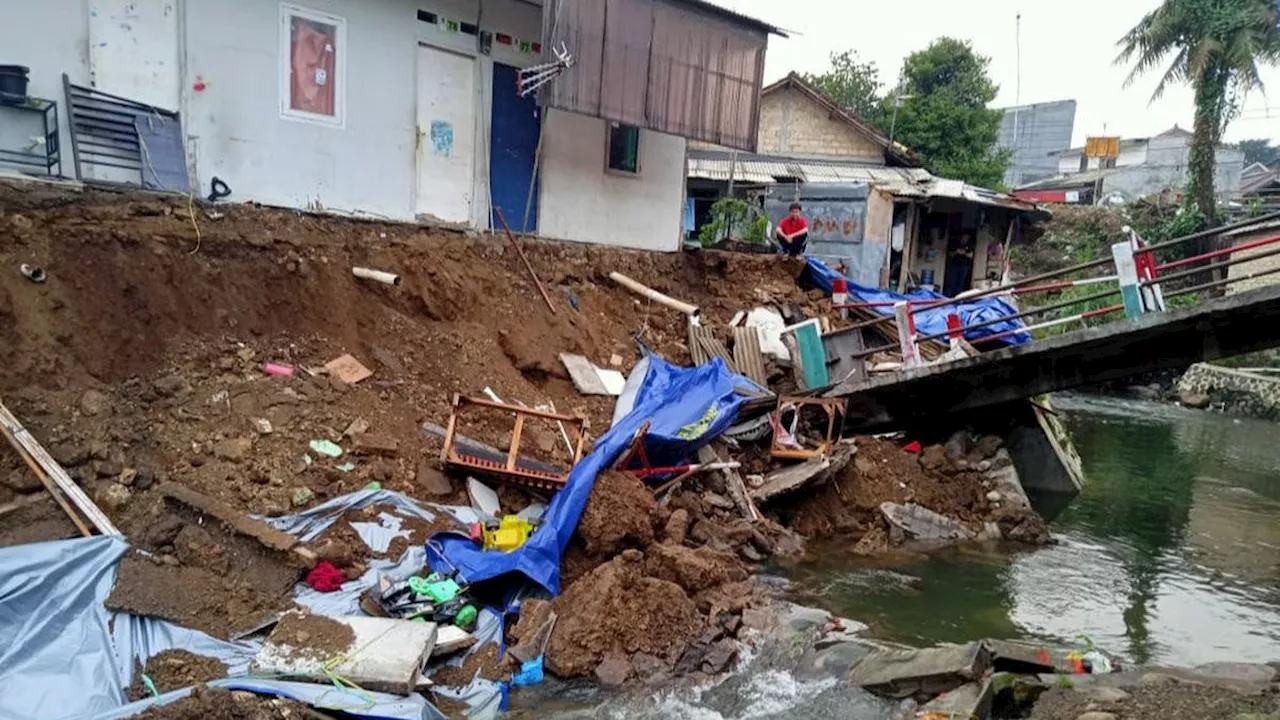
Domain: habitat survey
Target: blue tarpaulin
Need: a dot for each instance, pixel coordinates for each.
(686, 407)
(931, 322)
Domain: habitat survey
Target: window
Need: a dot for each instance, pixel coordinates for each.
(624, 148)
(312, 66)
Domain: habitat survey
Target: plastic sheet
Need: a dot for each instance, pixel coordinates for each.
(930, 322)
(327, 697)
(686, 407)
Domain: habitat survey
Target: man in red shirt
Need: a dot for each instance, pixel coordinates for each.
(792, 232)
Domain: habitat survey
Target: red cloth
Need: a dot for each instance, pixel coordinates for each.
(792, 225)
(913, 447)
(325, 577)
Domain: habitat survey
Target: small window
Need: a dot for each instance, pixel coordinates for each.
(624, 148)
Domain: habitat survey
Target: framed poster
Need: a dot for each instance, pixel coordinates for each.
(313, 62)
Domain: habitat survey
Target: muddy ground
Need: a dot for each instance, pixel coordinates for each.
(206, 703)
(174, 670)
(140, 362)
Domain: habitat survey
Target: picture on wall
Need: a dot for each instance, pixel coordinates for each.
(312, 77)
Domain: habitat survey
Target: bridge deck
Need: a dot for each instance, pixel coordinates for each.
(1221, 327)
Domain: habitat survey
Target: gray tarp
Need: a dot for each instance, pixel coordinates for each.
(64, 655)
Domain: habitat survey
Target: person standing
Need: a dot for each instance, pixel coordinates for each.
(959, 271)
(793, 232)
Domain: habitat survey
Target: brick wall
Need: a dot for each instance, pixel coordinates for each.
(792, 124)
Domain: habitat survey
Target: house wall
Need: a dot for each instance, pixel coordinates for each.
(793, 124)
(582, 201)
(1033, 133)
(1069, 163)
(50, 38)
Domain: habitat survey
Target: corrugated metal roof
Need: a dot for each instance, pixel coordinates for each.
(900, 182)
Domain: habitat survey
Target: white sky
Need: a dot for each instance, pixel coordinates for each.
(1067, 53)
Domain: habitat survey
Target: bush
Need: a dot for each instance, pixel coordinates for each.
(733, 219)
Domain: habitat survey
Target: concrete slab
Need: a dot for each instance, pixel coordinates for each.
(925, 672)
(386, 655)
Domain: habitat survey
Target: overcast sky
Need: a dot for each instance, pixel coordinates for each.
(1067, 53)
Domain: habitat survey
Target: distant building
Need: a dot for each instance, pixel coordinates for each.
(1261, 184)
(1145, 167)
(1035, 133)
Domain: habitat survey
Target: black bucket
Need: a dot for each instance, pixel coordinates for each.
(13, 83)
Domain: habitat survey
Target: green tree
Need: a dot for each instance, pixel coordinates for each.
(1216, 47)
(943, 115)
(852, 84)
(1259, 151)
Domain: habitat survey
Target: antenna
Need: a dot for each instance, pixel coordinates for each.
(1017, 88)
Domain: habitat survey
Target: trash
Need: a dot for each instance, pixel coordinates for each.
(806, 427)
(375, 485)
(770, 325)
(325, 577)
(326, 448)
(278, 369)
(348, 369)
(477, 457)
(347, 467)
(914, 447)
(383, 654)
(263, 425)
(437, 597)
(34, 273)
(592, 380)
(506, 535)
(530, 673)
(483, 498)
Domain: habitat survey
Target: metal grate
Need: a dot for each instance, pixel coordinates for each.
(114, 132)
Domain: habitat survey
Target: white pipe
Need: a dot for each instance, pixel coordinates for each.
(378, 275)
(635, 287)
(34, 273)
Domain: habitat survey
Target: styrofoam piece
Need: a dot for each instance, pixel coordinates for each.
(483, 498)
(386, 655)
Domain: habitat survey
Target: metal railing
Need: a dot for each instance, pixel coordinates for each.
(1148, 278)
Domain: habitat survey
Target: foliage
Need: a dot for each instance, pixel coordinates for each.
(852, 84)
(1216, 46)
(732, 218)
(759, 231)
(944, 116)
(1259, 150)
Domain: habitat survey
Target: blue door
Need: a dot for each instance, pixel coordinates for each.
(514, 144)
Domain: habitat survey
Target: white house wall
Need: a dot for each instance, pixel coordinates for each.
(582, 201)
(133, 50)
(51, 38)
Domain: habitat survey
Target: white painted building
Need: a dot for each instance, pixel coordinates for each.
(403, 109)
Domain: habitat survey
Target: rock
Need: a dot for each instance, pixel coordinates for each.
(387, 360)
(263, 426)
(366, 444)
(1193, 399)
(169, 385)
(758, 619)
(984, 466)
(717, 501)
(677, 528)
(987, 446)
(649, 669)
(957, 446)
(933, 457)
(69, 456)
(614, 669)
(144, 478)
(750, 554)
(127, 477)
(301, 496)
(93, 403)
(864, 465)
(338, 384)
(719, 656)
(22, 481)
(112, 497)
(692, 569)
(1102, 693)
(356, 427)
(1096, 715)
(233, 450)
(993, 496)
(108, 468)
(431, 481)
(163, 532)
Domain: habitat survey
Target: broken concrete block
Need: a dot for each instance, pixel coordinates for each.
(922, 523)
(367, 444)
(922, 673)
(971, 700)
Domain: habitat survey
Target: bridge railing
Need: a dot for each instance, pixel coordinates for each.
(1141, 262)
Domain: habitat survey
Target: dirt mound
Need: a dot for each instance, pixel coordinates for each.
(173, 670)
(312, 636)
(487, 662)
(617, 609)
(620, 513)
(206, 703)
(692, 569)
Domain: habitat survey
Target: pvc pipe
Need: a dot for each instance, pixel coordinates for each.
(635, 287)
(277, 369)
(382, 277)
(34, 273)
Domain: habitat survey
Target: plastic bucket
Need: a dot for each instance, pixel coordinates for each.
(13, 81)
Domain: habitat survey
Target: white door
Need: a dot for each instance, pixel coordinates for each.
(446, 134)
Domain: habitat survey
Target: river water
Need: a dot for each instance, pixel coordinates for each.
(1171, 554)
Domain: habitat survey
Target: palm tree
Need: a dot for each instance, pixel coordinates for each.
(1217, 46)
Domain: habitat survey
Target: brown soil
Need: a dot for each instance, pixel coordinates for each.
(193, 597)
(487, 661)
(172, 670)
(1163, 701)
(620, 513)
(174, 337)
(616, 608)
(206, 703)
(312, 636)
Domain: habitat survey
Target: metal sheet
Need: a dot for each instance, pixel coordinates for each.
(747, 356)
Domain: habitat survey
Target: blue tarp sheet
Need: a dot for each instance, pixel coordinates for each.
(686, 407)
(931, 322)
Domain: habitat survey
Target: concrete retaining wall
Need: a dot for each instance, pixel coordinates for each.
(1233, 391)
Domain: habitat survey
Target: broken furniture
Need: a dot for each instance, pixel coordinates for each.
(806, 427)
(385, 655)
(511, 467)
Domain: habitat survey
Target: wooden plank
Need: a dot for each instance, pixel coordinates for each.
(231, 518)
(747, 355)
(733, 479)
(56, 474)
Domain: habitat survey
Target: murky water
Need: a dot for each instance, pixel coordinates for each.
(1171, 554)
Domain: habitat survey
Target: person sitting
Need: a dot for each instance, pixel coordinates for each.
(793, 232)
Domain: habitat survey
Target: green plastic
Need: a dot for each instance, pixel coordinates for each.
(438, 590)
(466, 617)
